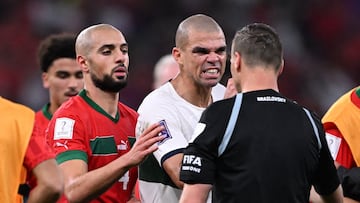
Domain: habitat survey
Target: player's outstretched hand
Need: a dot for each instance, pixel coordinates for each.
(145, 144)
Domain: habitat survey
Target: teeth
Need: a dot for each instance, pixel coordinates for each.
(212, 71)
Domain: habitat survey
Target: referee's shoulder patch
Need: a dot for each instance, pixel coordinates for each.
(64, 128)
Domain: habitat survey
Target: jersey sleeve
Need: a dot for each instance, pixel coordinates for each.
(338, 147)
(200, 157)
(153, 112)
(67, 136)
(38, 150)
(325, 179)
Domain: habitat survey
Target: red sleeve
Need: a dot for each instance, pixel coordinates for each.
(342, 152)
(37, 151)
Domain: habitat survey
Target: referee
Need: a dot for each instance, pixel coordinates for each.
(258, 146)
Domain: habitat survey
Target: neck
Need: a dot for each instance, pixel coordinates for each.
(108, 101)
(192, 93)
(52, 108)
(259, 79)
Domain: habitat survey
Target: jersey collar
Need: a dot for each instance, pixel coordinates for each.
(97, 108)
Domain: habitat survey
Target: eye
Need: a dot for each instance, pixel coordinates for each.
(201, 50)
(124, 50)
(62, 75)
(106, 52)
(79, 75)
(221, 51)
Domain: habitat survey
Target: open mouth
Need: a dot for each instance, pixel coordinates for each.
(212, 71)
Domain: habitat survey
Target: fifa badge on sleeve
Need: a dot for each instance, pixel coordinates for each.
(165, 132)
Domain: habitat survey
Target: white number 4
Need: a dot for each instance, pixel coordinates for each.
(125, 180)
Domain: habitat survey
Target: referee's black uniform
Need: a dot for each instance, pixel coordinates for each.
(261, 148)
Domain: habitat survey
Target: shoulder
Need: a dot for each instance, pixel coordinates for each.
(125, 109)
(162, 96)
(220, 107)
(218, 92)
(75, 105)
(12, 109)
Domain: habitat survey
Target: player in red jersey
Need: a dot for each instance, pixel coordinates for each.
(39, 160)
(90, 132)
(62, 76)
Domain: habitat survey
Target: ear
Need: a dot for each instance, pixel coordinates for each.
(281, 69)
(83, 63)
(237, 61)
(45, 80)
(177, 55)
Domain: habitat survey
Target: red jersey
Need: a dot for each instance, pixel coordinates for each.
(80, 129)
(43, 117)
(338, 136)
(38, 150)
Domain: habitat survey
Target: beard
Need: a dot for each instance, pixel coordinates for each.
(108, 84)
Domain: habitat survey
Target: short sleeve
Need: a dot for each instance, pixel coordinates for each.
(38, 150)
(151, 112)
(200, 157)
(66, 136)
(325, 179)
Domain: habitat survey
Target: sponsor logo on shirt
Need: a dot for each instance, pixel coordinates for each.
(191, 163)
(59, 144)
(63, 128)
(270, 99)
(123, 145)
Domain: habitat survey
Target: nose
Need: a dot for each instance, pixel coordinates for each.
(75, 82)
(120, 56)
(213, 57)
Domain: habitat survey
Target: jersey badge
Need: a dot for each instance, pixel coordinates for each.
(333, 144)
(64, 128)
(165, 132)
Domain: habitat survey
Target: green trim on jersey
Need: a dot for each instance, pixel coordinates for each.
(357, 91)
(132, 140)
(83, 95)
(71, 155)
(150, 171)
(45, 111)
(103, 145)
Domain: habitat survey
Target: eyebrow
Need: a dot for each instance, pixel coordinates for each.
(111, 46)
(206, 50)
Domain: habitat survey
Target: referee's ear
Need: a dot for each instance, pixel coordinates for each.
(281, 68)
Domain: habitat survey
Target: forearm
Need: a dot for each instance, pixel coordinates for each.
(43, 194)
(93, 183)
(172, 167)
(49, 185)
(335, 197)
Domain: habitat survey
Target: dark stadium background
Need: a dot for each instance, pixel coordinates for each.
(321, 40)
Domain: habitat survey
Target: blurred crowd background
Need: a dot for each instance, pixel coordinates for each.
(321, 41)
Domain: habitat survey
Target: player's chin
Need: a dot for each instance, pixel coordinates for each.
(120, 78)
(211, 82)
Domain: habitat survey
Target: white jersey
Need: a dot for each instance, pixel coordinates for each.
(180, 119)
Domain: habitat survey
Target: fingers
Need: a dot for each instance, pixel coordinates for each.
(150, 136)
(230, 89)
